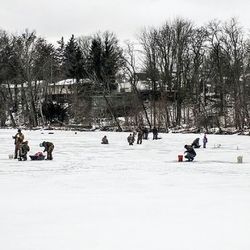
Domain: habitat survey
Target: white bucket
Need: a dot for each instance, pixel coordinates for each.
(11, 156)
(239, 159)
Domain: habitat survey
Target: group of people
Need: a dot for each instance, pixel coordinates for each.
(142, 134)
(22, 148)
(190, 152)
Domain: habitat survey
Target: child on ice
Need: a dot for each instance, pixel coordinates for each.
(204, 141)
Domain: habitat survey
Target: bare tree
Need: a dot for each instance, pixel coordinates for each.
(130, 73)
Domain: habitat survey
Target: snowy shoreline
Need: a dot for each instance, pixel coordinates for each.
(116, 196)
(214, 131)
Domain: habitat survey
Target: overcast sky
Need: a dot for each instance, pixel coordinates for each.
(53, 19)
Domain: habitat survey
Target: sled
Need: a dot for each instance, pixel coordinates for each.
(37, 157)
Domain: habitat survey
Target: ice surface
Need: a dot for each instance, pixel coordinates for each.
(120, 197)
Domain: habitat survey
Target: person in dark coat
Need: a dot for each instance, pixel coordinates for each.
(49, 147)
(23, 150)
(145, 133)
(204, 141)
(19, 137)
(131, 139)
(105, 140)
(155, 133)
(139, 136)
(196, 143)
(189, 153)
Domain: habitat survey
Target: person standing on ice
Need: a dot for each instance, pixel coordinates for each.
(19, 137)
(145, 133)
(49, 147)
(155, 133)
(190, 152)
(139, 136)
(204, 141)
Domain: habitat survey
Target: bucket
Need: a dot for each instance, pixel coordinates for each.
(180, 158)
(239, 159)
(11, 156)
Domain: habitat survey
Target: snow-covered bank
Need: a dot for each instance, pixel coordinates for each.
(116, 196)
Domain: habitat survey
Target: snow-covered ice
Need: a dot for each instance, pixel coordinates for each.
(121, 197)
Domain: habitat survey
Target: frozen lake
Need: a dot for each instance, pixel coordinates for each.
(121, 197)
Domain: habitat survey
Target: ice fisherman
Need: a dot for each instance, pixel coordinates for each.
(131, 139)
(196, 143)
(23, 150)
(139, 136)
(189, 153)
(105, 140)
(48, 147)
(145, 133)
(19, 137)
(155, 133)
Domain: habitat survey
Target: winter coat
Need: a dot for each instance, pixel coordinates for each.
(19, 137)
(190, 150)
(196, 143)
(24, 149)
(105, 140)
(48, 146)
(140, 134)
(131, 139)
(155, 131)
(204, 139)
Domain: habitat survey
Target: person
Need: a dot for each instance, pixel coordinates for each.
(49, 147)
(19, 137)
(196, 143)
(155, 133)
(189, 153)
(105, 140)
(145, 133)
(204, 141)
(131, 139)
(23, 150)
(139, 136)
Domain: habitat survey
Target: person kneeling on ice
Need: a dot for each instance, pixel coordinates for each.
(23, 150)
(196, 143)
(131, 139)
(49, 147)
(105, 140)
(190, 153)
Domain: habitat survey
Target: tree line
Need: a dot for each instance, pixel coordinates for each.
(198, 76)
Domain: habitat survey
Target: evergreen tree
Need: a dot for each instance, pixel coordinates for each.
(73, 60)
(105, 60)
